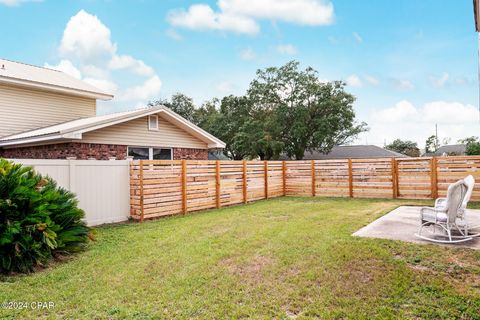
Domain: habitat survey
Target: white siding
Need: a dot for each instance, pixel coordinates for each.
(136, 133)
(26, 109)
(102, 187)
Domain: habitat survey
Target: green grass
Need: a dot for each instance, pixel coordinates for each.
(281, 258)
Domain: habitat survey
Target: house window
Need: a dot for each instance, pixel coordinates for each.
(161, 154)
(150, 153)
(153, 123)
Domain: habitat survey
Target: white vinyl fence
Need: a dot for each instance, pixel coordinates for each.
(102, 187)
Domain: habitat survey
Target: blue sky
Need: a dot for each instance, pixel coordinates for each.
(410, 63)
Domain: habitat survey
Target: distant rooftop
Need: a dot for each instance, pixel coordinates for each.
(458, 149)
(21, 74)
(354, 152)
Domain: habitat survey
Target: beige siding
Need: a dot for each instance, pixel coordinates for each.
(136, 133)
(25, 109)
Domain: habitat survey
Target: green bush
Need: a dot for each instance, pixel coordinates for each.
(38, 219)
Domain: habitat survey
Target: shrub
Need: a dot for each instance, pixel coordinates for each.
(38, 219)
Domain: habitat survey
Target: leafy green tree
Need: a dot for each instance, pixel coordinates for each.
(472, 146)
(300, 112)
(406, 147)
(179, 103)
(234, 121)
(432, 144)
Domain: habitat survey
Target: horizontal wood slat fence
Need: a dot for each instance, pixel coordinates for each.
(163, 187)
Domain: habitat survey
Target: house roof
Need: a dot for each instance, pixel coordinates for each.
(353, 152)
(73, 130)
(21, 74)
(451, 149)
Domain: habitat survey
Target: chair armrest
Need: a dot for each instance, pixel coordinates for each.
(430, 214)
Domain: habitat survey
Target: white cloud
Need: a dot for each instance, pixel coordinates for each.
(433, 112)
(87, 38)
(287, 49)
(439, 82)
(406, 121)
(201, 17)
(357, 37)
(127, 62)
(402, 84)
(13, 3)
(171, 33)
(371, 79)
(247, 54)
(303, 12)
(150, 88)
(354, 81)
(89, 53)
(402, 111)
(241, 15)
(67, 67)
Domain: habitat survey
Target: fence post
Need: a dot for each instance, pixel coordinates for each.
(141, 192)
(244, 178)
(184, 186)
(433, 176)
(394, 178)
(313, 178)
(265, 177)
(217, 184)
(284, 178)
(350, 178)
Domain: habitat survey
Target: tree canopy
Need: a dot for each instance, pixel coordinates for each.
(432, 144)
(472, 146)
(286, 110)
(406, 147)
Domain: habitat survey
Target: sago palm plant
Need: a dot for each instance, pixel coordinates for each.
(38, 219)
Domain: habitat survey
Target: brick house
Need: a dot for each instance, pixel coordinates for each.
(47, 114)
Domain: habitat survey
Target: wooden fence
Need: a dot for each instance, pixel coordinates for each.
(161, 187)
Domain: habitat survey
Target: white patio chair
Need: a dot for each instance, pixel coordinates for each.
(470, 182)
(448, 216)
(470, 230)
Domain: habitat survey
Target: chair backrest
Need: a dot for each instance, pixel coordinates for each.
(470, 182)
(455, 196)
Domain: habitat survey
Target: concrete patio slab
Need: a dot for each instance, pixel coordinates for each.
(402, 224)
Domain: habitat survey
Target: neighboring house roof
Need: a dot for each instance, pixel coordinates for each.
(353, 152)
(21, 74)
(73, 130)
(458, 149)
(217, 155)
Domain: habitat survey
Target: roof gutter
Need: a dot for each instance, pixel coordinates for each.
(53, 136)
(55, 88)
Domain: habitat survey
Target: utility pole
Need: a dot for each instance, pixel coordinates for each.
(436, 137)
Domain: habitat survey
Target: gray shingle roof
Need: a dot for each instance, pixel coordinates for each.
(458, 149)
(354, 152)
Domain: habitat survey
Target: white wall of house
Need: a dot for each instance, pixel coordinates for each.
(24, 109)
(102, 187)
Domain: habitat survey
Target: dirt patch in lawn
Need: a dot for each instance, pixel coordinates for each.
(252, 270)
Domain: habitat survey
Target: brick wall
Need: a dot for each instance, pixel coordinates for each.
(84, 151)
(190, 154)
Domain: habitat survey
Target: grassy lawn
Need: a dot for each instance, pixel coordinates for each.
(281, 258)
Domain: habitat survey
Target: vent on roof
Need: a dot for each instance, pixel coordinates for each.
(153, 123)
(3, 67)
